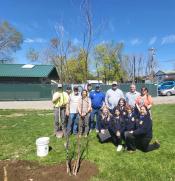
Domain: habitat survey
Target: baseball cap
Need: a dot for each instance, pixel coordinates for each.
(114, 83)
(68, 88)
(97, 86)
(75, 88)
(60, 86)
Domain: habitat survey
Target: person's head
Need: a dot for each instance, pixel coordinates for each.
(84, 93)
(68, 90)
(132, 88)
(144, 91)
(117, 111)
(76, 90)
(59, 87)
(97, 88)
(114, 85)
(121, 102)
(105, 110)
(89, 87)
(143, 110)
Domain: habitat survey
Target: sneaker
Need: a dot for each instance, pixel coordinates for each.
(59, 134)
(156, 143)
(119, 148)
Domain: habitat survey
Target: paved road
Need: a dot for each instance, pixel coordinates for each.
(47, 105)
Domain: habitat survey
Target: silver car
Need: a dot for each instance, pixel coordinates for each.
(167, 92)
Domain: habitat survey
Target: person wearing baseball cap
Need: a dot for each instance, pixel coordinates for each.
(113, 95)
(98, 100)
(72, 111)
(89, 88)
(59, 100)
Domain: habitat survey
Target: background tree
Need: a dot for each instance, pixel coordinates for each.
(10, 40)
(32, 55)
(133, 66)
(107, 57)
(87, 33)
(151, 63)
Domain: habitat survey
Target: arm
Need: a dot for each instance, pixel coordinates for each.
(150, 102)
(106, 99)
(79, 107)
(68, 107)
(142, 129)
(121, 94)
(90, 106)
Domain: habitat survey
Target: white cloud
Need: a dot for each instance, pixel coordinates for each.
(152, 40)
(34, 40)
(136, 41)
(76, 41)
(168, 39)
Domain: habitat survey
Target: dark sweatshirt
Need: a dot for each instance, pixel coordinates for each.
(105, 123)
(144, 127)
(130, 122)
(118, 124)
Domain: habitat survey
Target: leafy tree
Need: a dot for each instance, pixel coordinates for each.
(32, 55)
(107, 58)
(10, 40)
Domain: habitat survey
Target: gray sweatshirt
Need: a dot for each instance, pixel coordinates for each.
(112, 97)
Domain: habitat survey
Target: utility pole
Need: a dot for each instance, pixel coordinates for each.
(151, 62)
(134, 67)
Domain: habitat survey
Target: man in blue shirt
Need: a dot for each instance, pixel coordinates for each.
(98, 100)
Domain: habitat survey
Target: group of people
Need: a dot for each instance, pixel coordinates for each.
(123, 119)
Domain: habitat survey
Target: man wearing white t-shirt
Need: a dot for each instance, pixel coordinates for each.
(72, 111)
(112, 96)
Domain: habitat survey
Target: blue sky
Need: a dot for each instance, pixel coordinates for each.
(140, 24)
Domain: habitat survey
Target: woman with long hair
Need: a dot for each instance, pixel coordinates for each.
(140, 138)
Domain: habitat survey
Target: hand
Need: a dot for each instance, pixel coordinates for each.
(83, 114)
(102, 131)
(118, 134)
(67, 113)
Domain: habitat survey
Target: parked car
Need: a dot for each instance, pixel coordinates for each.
(166, 84)
(167, 91)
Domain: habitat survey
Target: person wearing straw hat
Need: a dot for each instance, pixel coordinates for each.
(113, 95)
(59, 100)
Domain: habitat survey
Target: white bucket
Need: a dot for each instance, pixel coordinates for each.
(42, 146)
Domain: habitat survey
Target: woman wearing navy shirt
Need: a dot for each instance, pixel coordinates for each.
(105, 125)
(122, 107)
(130, 119)
(142, 135)
(118, 127)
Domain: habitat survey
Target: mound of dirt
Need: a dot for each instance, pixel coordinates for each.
(19, 170)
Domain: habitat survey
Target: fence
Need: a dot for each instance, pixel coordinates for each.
(44, 91)
(25, 91)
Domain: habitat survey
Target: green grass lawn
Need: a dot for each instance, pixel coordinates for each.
(19, 130)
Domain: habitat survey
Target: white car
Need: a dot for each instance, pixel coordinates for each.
(167, 92)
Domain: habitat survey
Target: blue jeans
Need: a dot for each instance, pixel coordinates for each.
(94, 112)
(72, 122)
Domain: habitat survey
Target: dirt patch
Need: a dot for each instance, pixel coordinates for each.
(29, 171)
